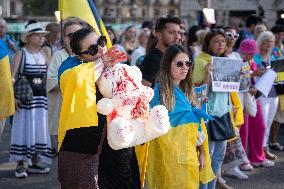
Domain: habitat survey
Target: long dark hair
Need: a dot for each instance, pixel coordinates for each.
(165, 80)
(208, 37)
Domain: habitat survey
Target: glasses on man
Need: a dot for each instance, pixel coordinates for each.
(181, 64)
(230, 35)
(93, 49)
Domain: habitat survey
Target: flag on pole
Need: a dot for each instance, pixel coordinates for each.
(87, 11)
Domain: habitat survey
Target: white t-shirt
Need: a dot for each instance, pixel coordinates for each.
(140, 51)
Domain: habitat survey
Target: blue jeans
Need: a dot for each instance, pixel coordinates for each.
(217, 151)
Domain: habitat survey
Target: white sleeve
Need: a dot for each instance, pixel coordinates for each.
(99, 68)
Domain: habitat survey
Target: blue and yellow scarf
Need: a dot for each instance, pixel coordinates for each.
(183, 112)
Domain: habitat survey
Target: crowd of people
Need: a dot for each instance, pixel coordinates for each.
(61, 119)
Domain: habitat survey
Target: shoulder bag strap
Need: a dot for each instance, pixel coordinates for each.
(22, 64)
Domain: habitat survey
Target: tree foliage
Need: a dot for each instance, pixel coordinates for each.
(40, 7)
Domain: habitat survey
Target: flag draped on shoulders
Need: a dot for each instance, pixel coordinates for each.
(7, 104)
(77, 85)
(87, 11)
(173, 158)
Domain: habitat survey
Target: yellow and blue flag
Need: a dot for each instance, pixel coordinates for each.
(87, 11)
(7, 104)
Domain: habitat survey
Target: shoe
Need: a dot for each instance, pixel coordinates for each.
(264, 163)
(221, 185)
(21, 171)
(246, 167)
(38, 169)
(236, 173)
(276, 146)
(269, 155)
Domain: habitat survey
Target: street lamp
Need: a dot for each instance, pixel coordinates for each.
(133, 11)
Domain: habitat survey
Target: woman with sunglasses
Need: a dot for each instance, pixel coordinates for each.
(81, 129)
(173, 160)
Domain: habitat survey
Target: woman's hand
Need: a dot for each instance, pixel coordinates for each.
(258, 72)
(253, 91)
(142, 111)
(201, 157)
(17, 104)
(235, 110)
(113, 56)
(209, 68)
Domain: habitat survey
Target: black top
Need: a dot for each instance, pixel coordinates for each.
(151, 65)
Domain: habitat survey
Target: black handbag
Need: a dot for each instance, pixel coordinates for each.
(22, 88)
(221, 128)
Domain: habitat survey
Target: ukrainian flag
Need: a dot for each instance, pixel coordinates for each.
(87, 11)
(7, 104)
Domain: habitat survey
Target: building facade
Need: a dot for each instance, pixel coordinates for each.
(232, 12)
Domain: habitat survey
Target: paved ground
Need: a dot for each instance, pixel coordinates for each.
(261, 178)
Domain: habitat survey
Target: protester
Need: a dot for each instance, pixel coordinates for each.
(9, 43)
(113, 38)
(129, 41)
(265, 44)
(81, 129)
(167, 32)
(252, 131)
(235, 153)
(173, 162)
(54, 95)
(7, 106)
(218, 102)
(259, 28)
(140, 51)
(53, 38)
(278, 52)
(30, 140)
(247, 33)
(193, 46)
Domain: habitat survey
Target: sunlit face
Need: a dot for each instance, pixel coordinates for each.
(89, 40)
(36, 39)
(217, 44)
(232, 37)
(130, 33)
(170, 35)
(179, 73)
(267, 45)
(70, 29)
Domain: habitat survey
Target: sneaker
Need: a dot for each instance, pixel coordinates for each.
(269, 155)
(264, 163)
(246, 167)
(21, 171)
(38, 169)
(276, 146)
(221, 185)
(236, 173)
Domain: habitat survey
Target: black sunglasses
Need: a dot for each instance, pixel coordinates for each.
(93, 49)
(180, 64)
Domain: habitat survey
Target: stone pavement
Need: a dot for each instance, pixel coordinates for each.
(260, 178)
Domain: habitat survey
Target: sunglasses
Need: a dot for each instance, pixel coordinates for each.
(230, 35)
(181, 64)
(93, 49)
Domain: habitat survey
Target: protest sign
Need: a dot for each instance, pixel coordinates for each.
(226, 74)
(265, 82)
(278, 67)
(201, 96)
